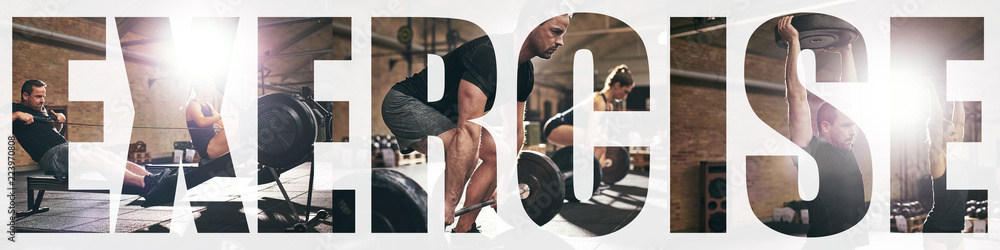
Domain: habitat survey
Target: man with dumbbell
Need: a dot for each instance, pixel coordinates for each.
(38, 134)
(840, 203)
(470, 87)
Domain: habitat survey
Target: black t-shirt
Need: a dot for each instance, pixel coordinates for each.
(38, 137)
(840, 203)
(948, 213)
(474, 61)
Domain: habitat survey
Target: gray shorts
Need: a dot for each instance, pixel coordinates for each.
(56, 160)
(410, 120)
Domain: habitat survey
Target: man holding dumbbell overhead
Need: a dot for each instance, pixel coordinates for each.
(840, 203)
(470, 88)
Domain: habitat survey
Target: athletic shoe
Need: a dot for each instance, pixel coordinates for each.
(162, 189)
(473, 229)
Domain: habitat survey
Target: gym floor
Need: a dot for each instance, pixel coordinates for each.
(88, 212)
(617, 205)
(215, 208)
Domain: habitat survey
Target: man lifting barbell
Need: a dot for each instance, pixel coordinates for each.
(470, 87)
(840, 203)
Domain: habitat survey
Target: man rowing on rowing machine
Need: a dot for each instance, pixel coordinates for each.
(38, 133)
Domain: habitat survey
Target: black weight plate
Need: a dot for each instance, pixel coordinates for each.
(621, 162)
(545, 182)
(717, 188)
(398, 203)
(343, 211)
(717, 222)
(564, 160)
(286, 130)
(819, 31)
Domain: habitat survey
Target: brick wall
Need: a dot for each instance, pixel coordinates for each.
(46, 60)
(158, 93)
(698, 133)
(697, 128)
(268, 38)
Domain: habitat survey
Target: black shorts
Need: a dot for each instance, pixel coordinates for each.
(564, 118)
(411, 120)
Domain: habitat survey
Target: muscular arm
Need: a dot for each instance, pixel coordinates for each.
(215, 113)
(799, 126)
(461, 152)
(27, 118)
(194, 111)
(958, 118)
(939, 152)
(848, 73)
(936, 130)
(599, 103)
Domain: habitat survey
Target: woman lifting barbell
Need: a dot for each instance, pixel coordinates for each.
(558, 130)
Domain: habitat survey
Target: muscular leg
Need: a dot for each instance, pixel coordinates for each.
(478, 190)
(482, 184)
(449, 208)
(218, 146)
(134, 174)
(134, 179)
(136, 169)
(561, 136)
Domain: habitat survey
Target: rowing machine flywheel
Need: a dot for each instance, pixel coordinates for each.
(286, 130)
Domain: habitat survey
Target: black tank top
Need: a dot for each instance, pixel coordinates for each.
(201, 136)
(948, 213)
(606, 106)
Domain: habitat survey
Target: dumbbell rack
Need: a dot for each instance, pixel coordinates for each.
(412, 158)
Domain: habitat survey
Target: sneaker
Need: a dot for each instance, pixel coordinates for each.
(160, 188)
(602, 187)
(473, 229)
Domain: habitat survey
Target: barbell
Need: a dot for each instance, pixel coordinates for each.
(399, 204)
(617, 159)
(819, 31)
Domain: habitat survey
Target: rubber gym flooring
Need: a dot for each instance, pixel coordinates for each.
(216, 208)
(609, 210)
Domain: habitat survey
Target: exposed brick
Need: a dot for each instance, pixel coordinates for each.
(37, 58)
